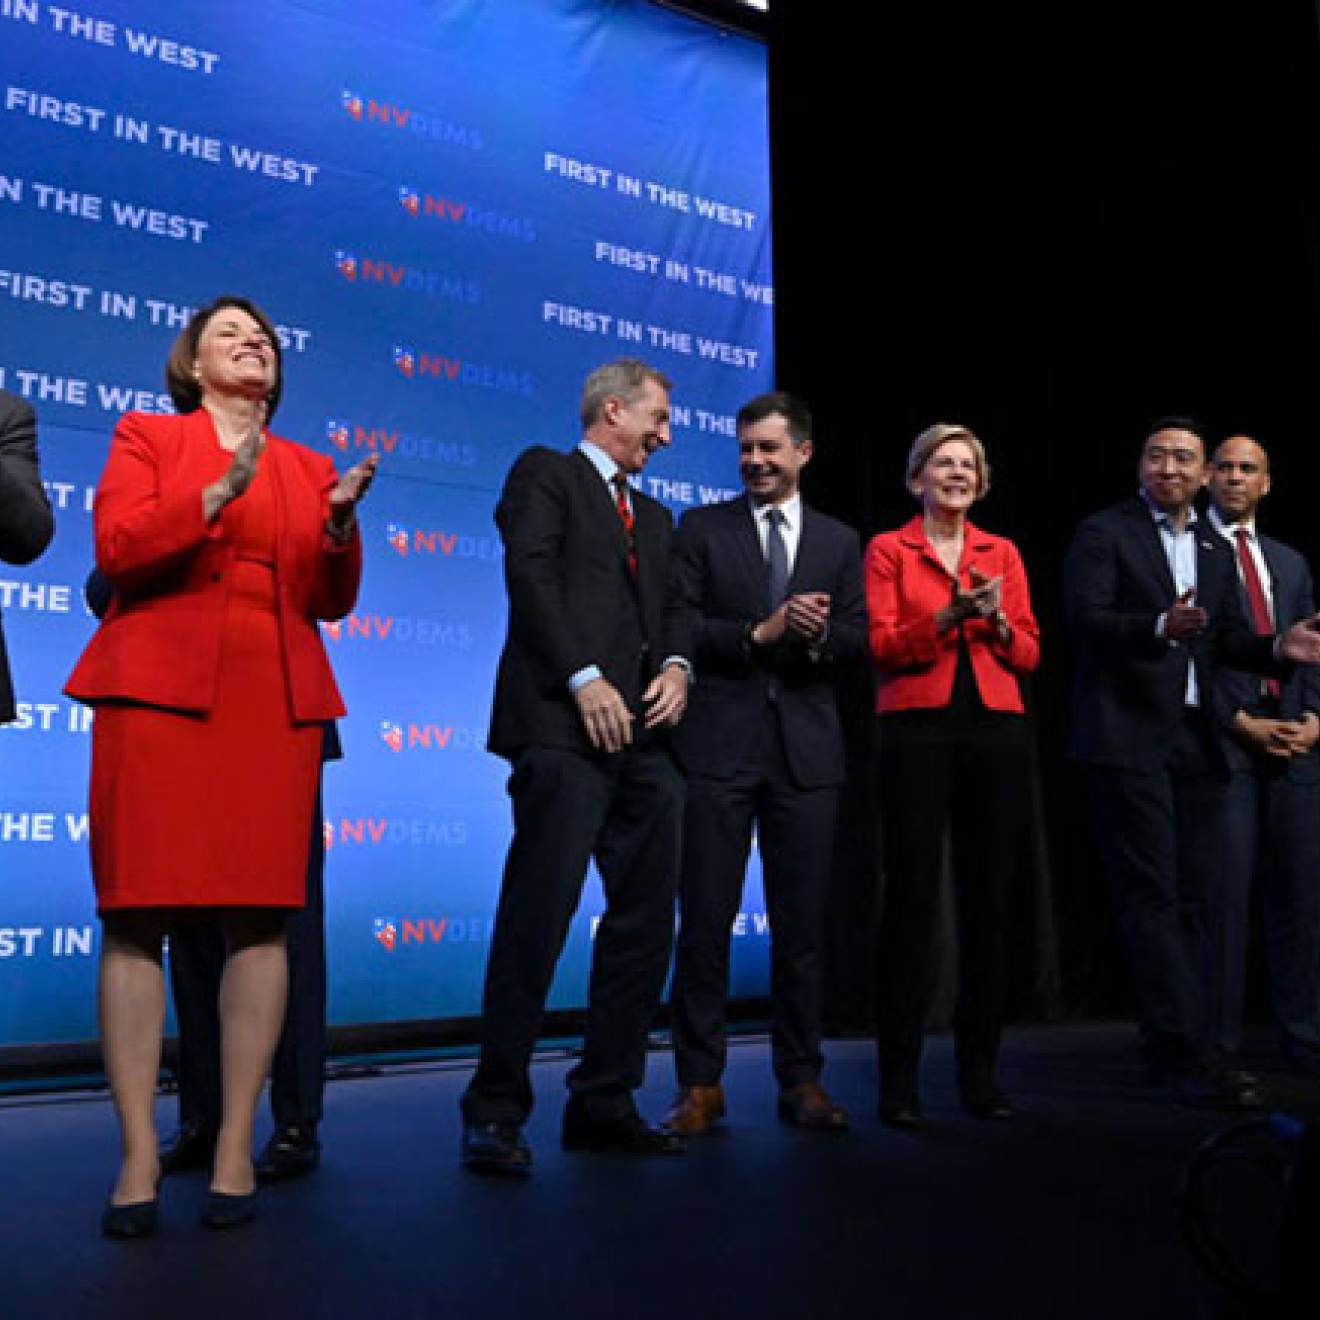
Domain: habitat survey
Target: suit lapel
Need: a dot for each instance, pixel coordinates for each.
(599, 503)
(1282, 585)
(976, 545)
(749, 557)
(1147, 537)
(1212, 558)
(808, 552)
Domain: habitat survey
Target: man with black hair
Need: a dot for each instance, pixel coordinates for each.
(1272, 815)
(1153, 608)
(775, 589)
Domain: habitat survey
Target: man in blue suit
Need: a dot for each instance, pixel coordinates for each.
(1153, 607)
(775, 592)
(1272, 820)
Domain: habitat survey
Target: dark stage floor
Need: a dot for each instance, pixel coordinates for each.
(1069, 1212)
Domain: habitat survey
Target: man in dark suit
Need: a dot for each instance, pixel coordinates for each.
(1272, 816)
(1152, 602)
(776, 592)
(592, 674)
(26, 522)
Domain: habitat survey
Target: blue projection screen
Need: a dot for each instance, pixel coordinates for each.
(453, 210)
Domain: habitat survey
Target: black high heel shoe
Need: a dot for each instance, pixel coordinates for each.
(905, 1115)
(229, 1209)
(137, 1219)
(993, 1107)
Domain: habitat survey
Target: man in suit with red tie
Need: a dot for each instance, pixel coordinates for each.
(594, 672)
(776, 591)
(1272, 816)
(1153, 606)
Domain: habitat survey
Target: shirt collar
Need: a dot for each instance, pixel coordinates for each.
(1161, 519)
(791, 508)
(1230, 529)
(600, 460)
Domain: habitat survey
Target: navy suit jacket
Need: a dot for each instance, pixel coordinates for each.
(719, 577)
(1294, 599)
(26, 522)
(1129, 684)
(573, 601)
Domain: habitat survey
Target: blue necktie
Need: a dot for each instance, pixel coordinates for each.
(776, 555)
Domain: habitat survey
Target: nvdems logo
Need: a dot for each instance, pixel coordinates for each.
(371, 110)
(391, 933)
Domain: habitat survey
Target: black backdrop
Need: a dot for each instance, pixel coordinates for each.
(1052, 227)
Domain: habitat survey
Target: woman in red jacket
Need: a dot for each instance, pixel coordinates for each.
(225, 545)
(951, 632)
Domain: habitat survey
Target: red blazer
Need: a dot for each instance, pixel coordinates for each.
(160, 640)
(906, 585)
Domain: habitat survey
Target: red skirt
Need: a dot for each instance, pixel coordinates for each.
(209, 810)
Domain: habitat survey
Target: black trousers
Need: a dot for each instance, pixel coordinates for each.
(197, 959)
(1164, 845)
(795, 831)
(625, 811)
(966, 779)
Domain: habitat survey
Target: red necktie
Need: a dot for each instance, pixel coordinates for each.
(626, 514)
(1261, 616)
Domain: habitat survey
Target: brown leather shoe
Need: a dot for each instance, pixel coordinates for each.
(808, 1105)
(695, 1110)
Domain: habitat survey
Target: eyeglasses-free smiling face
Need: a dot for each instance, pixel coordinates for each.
(949, 481)
(235, 356)
(637, 429)
(769, 461)
(1172, 468)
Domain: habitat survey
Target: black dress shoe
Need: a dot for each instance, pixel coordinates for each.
(229, 1209)
(290, 1153)
(902, 1114)
(1213, 1089)
(1302, 1063)
(994, 1106)
(137, 1219)
(1228, 1067)
(191, 1147)
(496, 1148)
(629, 1134)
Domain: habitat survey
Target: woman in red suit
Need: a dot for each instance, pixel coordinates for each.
(225, 545)
(951, 632)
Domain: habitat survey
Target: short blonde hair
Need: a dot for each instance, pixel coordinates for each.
(925, 445)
